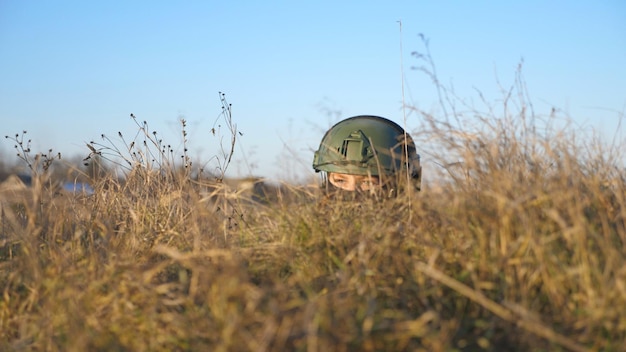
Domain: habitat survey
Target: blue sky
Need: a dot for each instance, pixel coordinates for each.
(73, 70)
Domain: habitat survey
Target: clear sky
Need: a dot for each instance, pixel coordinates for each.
(73, 70)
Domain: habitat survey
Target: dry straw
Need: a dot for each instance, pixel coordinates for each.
(516, 242)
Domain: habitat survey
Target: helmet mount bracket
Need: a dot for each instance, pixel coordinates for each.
(356, 147)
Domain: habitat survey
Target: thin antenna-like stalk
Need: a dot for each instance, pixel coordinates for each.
(406, 144)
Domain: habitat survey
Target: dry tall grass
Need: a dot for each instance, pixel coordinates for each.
(524, 248)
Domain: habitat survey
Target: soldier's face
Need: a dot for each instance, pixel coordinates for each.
(353, 182)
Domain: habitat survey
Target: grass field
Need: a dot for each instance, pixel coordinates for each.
(517, 245)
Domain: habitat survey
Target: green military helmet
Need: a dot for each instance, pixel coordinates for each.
(368, 145)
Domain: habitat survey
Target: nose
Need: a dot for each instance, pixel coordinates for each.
(349, 183)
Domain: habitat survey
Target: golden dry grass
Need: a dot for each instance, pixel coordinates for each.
(520, 247)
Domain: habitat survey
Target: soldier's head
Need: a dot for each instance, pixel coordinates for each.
(368, 153)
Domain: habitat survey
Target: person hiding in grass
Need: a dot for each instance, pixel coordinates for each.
(368, 155)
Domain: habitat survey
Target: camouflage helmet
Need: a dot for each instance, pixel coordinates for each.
(368, 145)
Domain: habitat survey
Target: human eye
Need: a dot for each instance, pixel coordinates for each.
(369, 183)
(337, 179)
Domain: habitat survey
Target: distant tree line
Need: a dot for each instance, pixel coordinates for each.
(60, 170)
